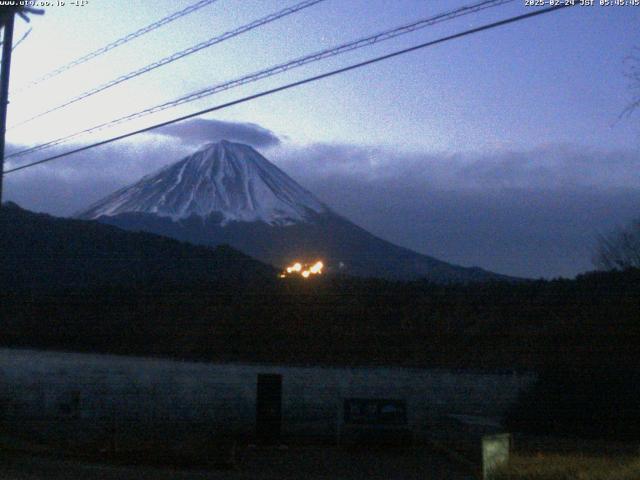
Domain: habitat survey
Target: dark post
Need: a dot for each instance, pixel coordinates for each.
(7, 45)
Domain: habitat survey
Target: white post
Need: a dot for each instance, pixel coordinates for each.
(495, 453)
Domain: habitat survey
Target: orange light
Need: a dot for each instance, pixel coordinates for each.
(317, 267)
(304, 270)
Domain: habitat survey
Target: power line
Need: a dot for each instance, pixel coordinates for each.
(119, 42)
(299, 83)
(176, 56)
(22, 38)
(253, 77)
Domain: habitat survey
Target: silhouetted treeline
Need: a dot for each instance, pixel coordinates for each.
(76, 285)
(344, 320)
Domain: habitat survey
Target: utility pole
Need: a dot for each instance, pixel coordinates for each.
(7, 18)
(7, 45)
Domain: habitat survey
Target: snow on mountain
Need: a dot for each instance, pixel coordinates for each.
(228, 179)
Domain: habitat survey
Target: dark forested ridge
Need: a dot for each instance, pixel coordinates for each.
(154, 296)
(40, 253)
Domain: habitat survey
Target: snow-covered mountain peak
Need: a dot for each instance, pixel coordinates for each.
(223, 178)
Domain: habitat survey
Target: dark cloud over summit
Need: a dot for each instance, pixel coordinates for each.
(200, 130)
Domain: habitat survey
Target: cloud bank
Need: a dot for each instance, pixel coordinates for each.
(533, 213)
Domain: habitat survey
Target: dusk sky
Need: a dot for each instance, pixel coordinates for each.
(504, 149)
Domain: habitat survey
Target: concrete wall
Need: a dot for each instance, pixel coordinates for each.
(97, 395)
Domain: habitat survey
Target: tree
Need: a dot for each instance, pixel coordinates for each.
(620, 249)
(632, 72)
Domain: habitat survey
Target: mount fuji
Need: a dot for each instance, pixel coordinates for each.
(228, 193)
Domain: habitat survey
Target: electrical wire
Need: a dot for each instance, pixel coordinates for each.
(176, 56)
(299, 83)
(298, 62)
(118, 42)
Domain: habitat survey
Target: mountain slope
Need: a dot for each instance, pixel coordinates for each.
(229, 193)
(41, 252)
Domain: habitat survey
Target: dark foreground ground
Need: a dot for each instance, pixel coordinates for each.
(307, 463)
